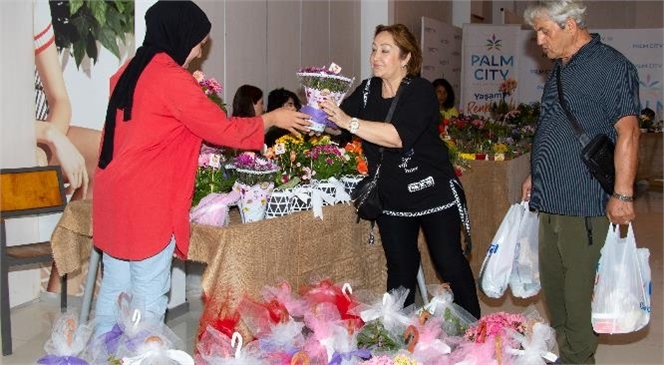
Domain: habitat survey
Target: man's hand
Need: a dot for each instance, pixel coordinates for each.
(526, 186)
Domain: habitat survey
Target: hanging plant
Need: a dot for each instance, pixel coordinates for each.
(80, 25)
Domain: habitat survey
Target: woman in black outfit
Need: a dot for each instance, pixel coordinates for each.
(417, 181)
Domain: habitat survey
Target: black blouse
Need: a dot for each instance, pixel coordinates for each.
(416, 177)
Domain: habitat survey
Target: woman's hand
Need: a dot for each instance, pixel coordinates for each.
(71, 161)
(335, 114)
(294, 122)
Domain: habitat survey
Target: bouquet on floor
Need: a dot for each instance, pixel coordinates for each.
(322, 83)
(506, 338)
(137, 338)
(68, 341)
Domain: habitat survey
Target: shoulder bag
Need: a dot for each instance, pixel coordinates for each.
(596, 153)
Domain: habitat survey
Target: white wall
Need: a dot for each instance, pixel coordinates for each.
(264, 43)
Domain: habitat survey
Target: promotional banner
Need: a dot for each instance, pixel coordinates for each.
(643, 47)
(489, 69)
(441, 53)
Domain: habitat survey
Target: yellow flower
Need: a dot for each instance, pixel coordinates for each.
(500, 148)
(467, 156)
(450, 143)
(290, 139)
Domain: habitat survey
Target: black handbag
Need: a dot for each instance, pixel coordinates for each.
(366, 195)
(366, 198)
(596, 153)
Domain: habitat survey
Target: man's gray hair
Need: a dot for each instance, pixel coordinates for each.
(558, 11)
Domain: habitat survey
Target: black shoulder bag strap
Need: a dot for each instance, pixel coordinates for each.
(390, 113)
(578, 130)
(580, 135)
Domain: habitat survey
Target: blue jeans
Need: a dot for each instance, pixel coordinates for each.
(147, 281)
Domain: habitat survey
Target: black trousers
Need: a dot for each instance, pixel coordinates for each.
(442, 232)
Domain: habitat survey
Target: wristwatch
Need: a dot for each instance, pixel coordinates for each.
(354, 125)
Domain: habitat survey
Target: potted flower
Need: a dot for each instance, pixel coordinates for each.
(211, 176)
(355, 167)
(251, 168)
(255, 175)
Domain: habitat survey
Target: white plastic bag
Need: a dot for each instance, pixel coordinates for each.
(621, 299)
(525, 280)
(497, 266)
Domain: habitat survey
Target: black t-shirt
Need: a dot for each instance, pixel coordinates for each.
(416, 177)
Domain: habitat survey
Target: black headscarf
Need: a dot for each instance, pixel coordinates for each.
(173, 27)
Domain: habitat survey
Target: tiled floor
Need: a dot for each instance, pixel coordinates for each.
(32, 322)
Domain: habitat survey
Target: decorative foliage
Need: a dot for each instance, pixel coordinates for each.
(373, 336)
(79, 24)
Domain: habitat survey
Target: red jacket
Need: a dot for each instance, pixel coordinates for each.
(144, 195)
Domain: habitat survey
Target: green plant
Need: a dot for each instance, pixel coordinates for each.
(211, 180)
(79, 24)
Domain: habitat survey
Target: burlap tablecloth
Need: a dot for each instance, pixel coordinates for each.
(243, 258)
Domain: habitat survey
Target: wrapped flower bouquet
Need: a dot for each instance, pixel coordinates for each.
(319, 84)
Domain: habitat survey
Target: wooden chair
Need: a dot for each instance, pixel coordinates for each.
(26, 192)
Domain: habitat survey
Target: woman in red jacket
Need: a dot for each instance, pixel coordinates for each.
(156, 119)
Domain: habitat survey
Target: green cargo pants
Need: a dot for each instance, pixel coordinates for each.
(569, 249)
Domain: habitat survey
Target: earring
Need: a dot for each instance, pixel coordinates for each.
(403, 66)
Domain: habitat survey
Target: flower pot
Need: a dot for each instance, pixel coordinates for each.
(480, 156)
(327, 188)
(301, 199)
(253, 200)
(279, 203)
(351, 181)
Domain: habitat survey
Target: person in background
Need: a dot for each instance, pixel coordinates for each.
(248, 102)
(156, 120)
(600, 88)
(280, 98)
(446, 98)
(417, 181)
